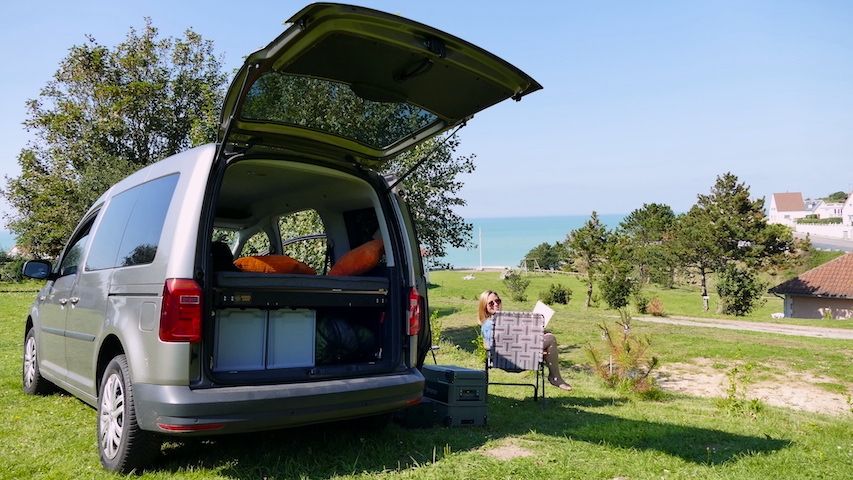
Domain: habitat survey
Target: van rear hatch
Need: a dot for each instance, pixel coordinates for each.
(356, 84)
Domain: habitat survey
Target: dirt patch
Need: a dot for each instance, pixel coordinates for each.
(508, 451)
(791, 390)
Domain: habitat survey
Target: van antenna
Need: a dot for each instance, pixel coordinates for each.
(426, 157)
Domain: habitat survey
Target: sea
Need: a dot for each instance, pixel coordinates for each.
(502, 242)
(497, 242)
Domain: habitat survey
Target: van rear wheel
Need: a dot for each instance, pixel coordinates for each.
(122, 445)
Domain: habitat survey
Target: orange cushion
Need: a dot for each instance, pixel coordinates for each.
(359, 260)
(273, 264)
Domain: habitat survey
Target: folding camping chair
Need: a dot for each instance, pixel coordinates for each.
(516, 346)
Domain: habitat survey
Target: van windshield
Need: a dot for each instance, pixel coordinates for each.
(333, 108)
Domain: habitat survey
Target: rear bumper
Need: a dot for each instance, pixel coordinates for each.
(180, 410)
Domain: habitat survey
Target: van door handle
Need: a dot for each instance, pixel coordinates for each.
(63, 301)
(74, 300)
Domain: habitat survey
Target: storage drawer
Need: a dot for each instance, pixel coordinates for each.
(254, 339)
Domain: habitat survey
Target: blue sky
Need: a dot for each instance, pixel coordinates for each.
(643, 101)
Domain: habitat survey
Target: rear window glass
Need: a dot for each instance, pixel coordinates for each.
(130, 230)
(303, 237)
(333, 108)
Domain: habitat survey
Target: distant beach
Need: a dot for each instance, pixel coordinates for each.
(506, 240)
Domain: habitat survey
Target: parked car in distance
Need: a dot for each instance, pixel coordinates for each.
(271, 279)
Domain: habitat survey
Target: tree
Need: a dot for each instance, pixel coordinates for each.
(104, 114)
(836, 197)
(586, 247)
(649, 230)
(614, 279)
(696, 246)
(432, 192)
(547, 256)
(726, 227)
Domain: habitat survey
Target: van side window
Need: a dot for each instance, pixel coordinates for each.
(259, 244)
(74, 254)
(303, 237)
(130, 230)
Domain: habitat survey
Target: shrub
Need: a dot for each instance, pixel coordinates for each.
(624, 363)
(641, 302)
(436, 326)
(656, 307)
(516, 285)
(11, 271)
(740, 290)
(557, 293)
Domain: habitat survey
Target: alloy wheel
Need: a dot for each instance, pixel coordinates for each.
(112, 416)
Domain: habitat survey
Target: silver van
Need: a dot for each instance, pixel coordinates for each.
(272, 279)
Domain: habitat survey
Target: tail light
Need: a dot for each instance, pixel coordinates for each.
(415, 301)
(180, 317)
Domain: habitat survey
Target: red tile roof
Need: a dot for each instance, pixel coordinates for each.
(832, 279)
(789, 202)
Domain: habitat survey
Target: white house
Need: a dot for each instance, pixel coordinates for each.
(847, 211)
(786, 207)
(824, 209)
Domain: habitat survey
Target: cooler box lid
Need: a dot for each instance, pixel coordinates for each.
(451, 373)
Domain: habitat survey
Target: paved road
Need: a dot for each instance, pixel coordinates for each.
(798, 330)
(828, 243)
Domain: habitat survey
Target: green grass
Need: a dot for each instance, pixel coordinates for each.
(588, 433)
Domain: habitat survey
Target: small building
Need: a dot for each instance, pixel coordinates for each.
(786, 207)
(824, 209)
(827, 289)
(847, 211)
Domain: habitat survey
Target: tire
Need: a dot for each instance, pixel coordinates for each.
(33, 382)
(122, 445)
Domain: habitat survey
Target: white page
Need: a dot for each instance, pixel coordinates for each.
(544, 310)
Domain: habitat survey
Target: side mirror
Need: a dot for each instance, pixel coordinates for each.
(38, 269)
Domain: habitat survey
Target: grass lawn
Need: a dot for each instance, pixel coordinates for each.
(591, 432)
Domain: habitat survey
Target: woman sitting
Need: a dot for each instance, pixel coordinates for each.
(490, 303)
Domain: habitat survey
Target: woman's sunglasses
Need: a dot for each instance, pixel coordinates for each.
(495, 302)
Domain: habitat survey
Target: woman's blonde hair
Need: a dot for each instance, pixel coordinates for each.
(482, 313)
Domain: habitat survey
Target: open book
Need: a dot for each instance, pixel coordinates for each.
(544, 310)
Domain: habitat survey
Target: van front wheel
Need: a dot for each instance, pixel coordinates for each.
(123, 446)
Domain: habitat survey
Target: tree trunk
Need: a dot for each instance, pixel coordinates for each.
(704, 290)
(589, 291)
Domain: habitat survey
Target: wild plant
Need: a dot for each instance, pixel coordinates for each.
(624, 363)
(736, 402)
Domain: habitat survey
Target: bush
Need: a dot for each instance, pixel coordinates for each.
(516, 285)
(641, 302)
(11, 271)
(656, 307)
(740, 290)
(556, 293)
(625, 363)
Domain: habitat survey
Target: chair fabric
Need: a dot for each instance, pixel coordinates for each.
(517, 342)
(516, 346)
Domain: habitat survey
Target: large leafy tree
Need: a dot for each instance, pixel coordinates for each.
(547, 256)
(649, 231)
(432, 192)
(586, 247)
(106, 113)
(726, 227)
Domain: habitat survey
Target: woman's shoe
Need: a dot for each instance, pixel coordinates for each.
(560, 383)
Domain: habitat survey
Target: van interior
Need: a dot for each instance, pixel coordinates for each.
(303, 276)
